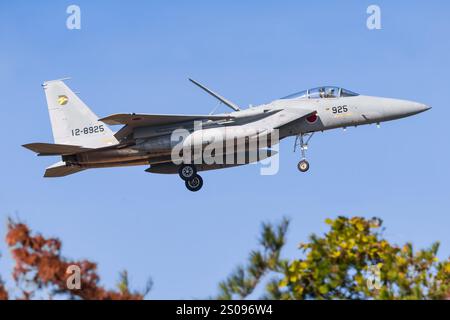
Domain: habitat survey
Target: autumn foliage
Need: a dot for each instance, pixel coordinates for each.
(39, 265)
(339, 264)
(343, 264)
(351, 261)
(3, 293)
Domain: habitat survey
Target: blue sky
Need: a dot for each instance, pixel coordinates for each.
(136, 56)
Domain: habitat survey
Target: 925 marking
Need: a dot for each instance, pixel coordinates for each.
(339, 109)
(88, 130)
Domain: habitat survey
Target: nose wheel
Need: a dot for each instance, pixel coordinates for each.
(192, 180)
(303, 166)
(302, 144)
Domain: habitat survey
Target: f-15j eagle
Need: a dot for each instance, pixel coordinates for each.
(84, 141)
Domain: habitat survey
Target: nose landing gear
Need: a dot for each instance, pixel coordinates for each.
(192, 180)
(303, 166)
(300, 143)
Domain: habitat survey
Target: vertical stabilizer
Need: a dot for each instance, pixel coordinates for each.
(73, 123)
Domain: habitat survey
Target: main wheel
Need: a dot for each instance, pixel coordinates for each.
(303, 166)
(187, 171)
(195, 183)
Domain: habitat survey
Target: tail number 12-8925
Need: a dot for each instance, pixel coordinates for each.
(88, 130)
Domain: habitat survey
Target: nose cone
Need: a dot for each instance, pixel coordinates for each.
(403, 108)
(415, 108)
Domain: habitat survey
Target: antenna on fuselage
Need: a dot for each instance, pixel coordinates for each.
(218, 97)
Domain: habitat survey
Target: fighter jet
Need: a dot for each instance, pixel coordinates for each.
(84, 141)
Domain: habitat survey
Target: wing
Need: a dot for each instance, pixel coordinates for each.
(132, 121)
(142, 120)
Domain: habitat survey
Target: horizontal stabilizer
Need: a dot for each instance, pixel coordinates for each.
(142, 120)
(60, 169)
(50, 149)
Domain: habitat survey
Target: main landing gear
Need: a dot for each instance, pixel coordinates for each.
(300, 143)
(188, 173)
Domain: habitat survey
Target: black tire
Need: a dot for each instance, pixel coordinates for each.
(187, 171)
(303, 166)
(194, 184)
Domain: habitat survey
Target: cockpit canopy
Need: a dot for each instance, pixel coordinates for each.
(322, 93)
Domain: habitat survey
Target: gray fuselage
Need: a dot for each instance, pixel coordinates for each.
(153, 145)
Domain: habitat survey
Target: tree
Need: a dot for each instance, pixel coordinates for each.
(244, 280)
(3, 293)
(39, 265)
(351, 261)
